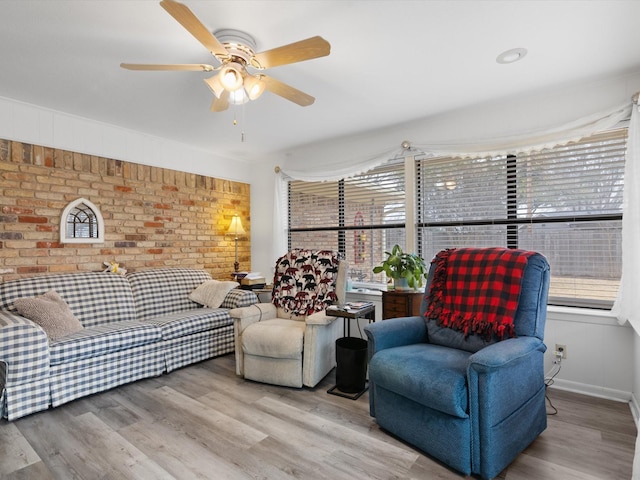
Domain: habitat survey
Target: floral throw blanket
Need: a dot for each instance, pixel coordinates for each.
(476, 290)
(305, 281)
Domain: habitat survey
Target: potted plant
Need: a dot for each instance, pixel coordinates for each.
(406, 269)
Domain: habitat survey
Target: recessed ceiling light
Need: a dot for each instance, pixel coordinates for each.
(512, 55)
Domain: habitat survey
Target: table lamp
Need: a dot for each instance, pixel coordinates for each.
(236, 229)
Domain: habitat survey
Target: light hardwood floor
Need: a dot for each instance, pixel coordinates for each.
(204, 422)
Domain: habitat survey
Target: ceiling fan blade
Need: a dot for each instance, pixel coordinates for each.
(286, 91)
(313, 47)
(220, 104)
(192, 67)
(188, 20)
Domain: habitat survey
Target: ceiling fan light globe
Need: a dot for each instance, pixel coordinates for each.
(254, 86)
(256, 91)
(238, 97)
(231, 77)
(215, 85)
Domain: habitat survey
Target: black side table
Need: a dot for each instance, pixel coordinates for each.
(351, 353)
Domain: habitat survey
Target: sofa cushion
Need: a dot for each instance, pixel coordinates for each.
(442, 386)
(164, 291)
(449, 337)
(95, 341)
(276, 338)
(191, 321)
(211, 293)
(50, 312)
(95, 298)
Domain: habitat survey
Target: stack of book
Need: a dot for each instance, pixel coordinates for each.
(350, 306)
(252, 281)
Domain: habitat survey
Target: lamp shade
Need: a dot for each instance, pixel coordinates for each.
(215, 85)
(231, 76)
(254, 85)
(236, 226)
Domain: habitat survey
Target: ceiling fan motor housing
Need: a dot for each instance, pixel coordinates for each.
(240, 45)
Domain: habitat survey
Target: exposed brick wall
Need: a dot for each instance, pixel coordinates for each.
(152, 216)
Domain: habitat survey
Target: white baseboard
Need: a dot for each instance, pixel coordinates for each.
(635, 411)
(594, 391)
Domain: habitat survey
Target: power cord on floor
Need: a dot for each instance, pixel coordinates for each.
(549, 380)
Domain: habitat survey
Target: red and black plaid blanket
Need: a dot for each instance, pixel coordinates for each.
(476, 290)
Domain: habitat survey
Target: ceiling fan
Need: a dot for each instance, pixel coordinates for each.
(234, 83)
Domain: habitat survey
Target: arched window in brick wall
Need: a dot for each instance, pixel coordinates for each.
(81, 222)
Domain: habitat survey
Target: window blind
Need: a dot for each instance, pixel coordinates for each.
(359, 216)
(564, 202)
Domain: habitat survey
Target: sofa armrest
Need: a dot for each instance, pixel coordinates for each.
(395, 333)
(24, 350)
(320, 318)
(238, 298)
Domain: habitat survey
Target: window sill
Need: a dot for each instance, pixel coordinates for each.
(582, 315)
(554, 312)
(371, 288)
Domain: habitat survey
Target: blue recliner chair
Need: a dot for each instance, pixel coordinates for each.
(470, 399)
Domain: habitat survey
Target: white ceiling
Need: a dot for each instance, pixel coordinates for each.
(390, 61)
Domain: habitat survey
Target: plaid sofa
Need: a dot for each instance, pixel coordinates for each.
(135, 326)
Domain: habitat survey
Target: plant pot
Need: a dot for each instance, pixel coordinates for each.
(401, 284)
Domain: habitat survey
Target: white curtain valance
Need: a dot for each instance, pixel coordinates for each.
(531, 141)
(345, 169)
(524, 142)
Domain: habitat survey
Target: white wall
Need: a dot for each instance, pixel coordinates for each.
(600, 352)
(262, 206)
(39, 126)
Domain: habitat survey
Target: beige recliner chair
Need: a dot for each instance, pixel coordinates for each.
(291, 341)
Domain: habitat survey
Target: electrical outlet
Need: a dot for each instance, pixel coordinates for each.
(561, 350)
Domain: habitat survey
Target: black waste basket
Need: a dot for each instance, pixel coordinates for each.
(351, 364)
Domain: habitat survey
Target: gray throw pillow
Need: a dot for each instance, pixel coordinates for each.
(51, 312)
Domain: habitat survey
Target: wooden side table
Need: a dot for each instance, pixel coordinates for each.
(401, 303)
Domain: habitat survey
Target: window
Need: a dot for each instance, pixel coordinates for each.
(564, 202)
(81, 222)
(360, 217)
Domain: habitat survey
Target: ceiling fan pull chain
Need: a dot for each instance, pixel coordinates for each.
(243, 124)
